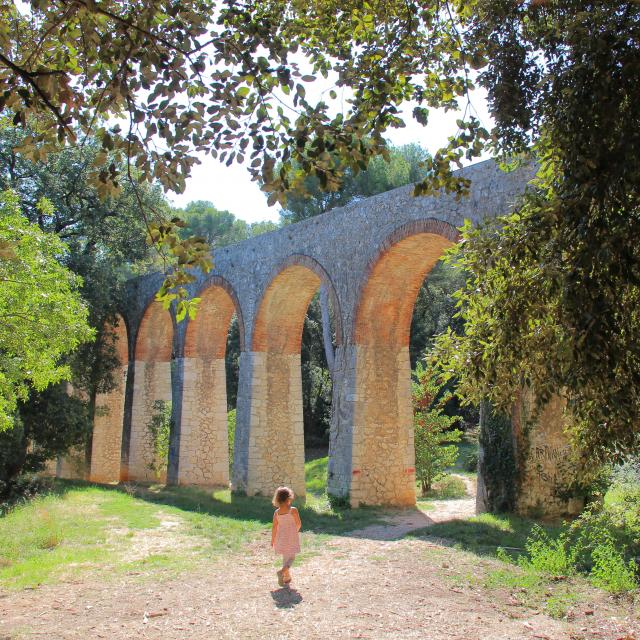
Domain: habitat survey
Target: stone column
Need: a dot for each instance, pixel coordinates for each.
(106, 446)
(72, 466)
(383, 464)
(343, 400)
(244, 410)
(269, 446)
(543, 455)
(204, 450)
(152, 381)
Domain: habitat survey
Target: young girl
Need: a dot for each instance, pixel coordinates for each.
(285, 538)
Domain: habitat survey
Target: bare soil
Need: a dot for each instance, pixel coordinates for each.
(370, 584)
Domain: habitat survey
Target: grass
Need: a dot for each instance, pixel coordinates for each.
(484, 534)
(62, 532)
(316, 476)
(73, 527)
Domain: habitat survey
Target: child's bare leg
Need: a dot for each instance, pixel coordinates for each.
(287, 561)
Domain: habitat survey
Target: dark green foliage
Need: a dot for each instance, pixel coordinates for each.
(159, 429)
(48, 424)
(435, 309)
(316, 380)
(232, 363)
(106, 240)
(552, 299)
(497, 461)
(470, 462)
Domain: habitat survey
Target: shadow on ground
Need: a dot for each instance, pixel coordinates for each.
(222, 503)
(286, 598)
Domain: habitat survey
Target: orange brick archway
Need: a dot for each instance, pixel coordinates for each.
(280, 318)
(383, 451)
(155, 337)
(206, 335)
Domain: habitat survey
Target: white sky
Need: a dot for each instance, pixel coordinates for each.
(231, 187)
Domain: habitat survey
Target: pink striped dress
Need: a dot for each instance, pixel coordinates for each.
(287, 537)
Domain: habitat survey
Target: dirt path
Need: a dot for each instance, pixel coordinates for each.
(367, 585)
(398, 525)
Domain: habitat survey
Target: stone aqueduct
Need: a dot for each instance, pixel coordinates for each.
(372, 256)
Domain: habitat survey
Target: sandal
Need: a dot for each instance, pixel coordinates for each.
(280, 578)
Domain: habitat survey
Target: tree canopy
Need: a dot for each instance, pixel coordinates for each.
(42, 317)
(157, 83)
(553, 297)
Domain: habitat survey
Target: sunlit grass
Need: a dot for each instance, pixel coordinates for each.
(80, 526)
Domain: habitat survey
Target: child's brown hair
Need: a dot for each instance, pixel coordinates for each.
(281, 495)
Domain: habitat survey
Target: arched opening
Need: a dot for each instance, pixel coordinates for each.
(383, 459)
(106, 444)
(275, 446)
(204, 444)
(151, 392)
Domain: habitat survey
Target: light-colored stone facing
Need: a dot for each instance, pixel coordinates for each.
(275, 429)
(383, 465)
(152, 382)
(73, 466)
(204, 449)
(50, 468)
(106, 448)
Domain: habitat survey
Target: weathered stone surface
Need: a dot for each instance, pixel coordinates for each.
(371, 257)
(546, 469)
(152, 382)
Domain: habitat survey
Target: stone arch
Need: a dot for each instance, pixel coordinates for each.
(291, 287)
(383, 456)
(152, 382)
(218, 300)
(106, 444)
(270, 451)
(204, 449)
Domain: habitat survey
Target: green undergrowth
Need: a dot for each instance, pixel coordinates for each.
(449, 487)
(602, 544)
(467, 456)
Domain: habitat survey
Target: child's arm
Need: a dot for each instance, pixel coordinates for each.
(274, 529)
(296, 517)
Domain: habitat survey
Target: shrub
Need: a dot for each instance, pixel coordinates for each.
(547, 554)
(470, 461)
(159, 429)
(448, 487)
(601, 543)
(610, 571)
(435, 437)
